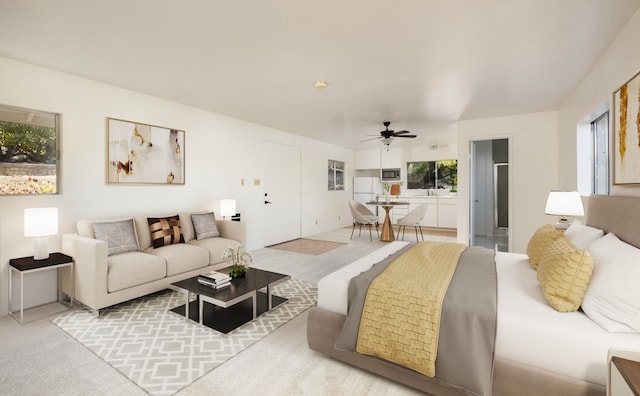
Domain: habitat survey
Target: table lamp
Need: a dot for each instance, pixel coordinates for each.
(227, 207)
(40, 223)
(563, 204)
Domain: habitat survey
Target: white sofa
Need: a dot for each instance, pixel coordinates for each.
(102, 280)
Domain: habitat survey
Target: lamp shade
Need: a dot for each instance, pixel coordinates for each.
(227, 207)
(39, 222)
(564, 203)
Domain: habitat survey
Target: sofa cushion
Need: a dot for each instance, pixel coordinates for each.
(181, 257)
(165, 231)
(215, 247)
(120, 236)
(85, 227)
(205, 225)
(130, 269)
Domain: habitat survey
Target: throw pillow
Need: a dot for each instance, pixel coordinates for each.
(120, 236)
(564, 273)
(205, 225)
(613, 297)
(165, 231)
(540, 242)
(582, 235)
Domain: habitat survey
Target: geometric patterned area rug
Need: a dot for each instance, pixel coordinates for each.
(159, 350)
(307, 246)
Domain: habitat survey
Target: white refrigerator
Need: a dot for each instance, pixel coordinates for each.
(367, 189)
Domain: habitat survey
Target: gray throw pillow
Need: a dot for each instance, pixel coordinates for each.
(205, 225)
(120, 236)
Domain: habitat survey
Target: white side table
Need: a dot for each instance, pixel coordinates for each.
(26, 265)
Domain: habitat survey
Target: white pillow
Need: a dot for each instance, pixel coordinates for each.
(612, 299)
(581, 235)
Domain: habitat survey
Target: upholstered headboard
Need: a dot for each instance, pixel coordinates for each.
(617, 214)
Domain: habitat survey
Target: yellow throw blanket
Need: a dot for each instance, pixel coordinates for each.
(401, 317)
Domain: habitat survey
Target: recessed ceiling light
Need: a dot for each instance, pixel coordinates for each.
(320, 84)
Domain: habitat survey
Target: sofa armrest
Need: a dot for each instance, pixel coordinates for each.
(90, 268)
(236, 230)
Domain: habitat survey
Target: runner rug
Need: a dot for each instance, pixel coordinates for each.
(159, 350)
(307, 246)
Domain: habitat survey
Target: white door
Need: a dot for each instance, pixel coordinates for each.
(281, 186)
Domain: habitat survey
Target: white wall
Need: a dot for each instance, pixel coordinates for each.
(219, 152)
(532, 170)
(617, 64)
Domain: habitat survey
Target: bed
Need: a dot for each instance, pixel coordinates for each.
(538, 350)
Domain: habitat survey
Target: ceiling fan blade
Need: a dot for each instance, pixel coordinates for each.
(374, 138)
(402, 132)
(406, 136)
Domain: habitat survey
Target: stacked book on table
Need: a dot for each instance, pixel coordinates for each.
(214, 279)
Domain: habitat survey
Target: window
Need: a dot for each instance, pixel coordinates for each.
(336, 175)
(432, 174)
(600, 156)
(28, 151)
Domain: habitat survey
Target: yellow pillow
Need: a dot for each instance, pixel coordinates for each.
(564, 273)
(540, 241)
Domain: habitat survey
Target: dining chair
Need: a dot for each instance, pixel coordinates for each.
(362, 216)
(412, 219)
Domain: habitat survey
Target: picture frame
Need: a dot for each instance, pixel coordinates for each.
(144, 154)
(626, 133)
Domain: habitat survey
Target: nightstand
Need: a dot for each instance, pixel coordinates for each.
(624, 377)
(26, 265)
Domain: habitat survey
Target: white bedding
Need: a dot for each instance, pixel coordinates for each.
(529, 331)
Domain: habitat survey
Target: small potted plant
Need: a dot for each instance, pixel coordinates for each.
(239, 258)
(387, 188)
(453, 191)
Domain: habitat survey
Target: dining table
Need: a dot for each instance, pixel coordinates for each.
(387, 230)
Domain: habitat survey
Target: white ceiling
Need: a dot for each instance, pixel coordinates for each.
(421, 64)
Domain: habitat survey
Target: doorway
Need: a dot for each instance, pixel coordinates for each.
(282, 193)
(489, 194)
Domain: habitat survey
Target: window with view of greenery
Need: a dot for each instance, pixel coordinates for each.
(432, 174)
(336, 175)
(28, 151)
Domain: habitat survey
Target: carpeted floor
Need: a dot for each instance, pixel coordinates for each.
(307, 246)
(161, 351)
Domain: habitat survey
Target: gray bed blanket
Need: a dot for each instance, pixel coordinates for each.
(468, 323)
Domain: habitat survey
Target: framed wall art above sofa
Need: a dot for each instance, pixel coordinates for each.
(142, 153)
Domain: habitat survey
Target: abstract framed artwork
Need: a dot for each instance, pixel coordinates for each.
(144, 154)
(626, 133)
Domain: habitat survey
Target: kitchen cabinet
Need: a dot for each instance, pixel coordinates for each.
(368, 159)
(447, 213)
(442, 212)
(392, 158)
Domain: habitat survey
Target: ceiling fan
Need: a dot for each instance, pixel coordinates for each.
(387, 135)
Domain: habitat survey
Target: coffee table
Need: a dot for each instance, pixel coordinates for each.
(232, 306)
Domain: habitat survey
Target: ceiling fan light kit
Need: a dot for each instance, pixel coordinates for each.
(387, 136)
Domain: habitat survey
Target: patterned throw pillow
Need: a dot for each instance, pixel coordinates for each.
(120, 236)
(564, 273)
(205, 225)
(165, 231)
(540, 242)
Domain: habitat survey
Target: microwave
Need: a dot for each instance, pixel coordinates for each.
(391, 174)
